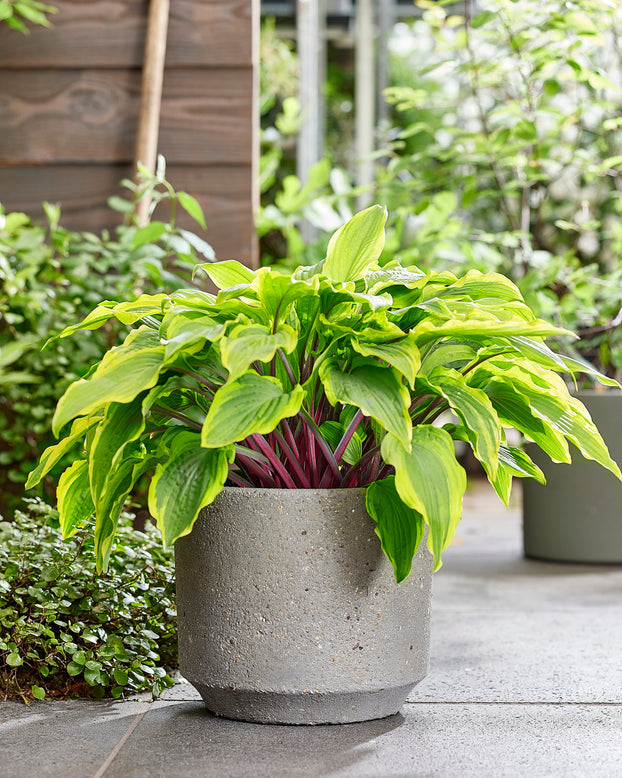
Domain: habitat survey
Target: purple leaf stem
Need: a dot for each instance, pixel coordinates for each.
(357, 468)
(253, 462)
(289, 435)
(347, 435)
(275, 463)
(313, 475)
(318, 439)
(302, 479)
(287, 366)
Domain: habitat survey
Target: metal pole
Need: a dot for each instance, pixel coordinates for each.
(308, 35)
(386, 20)
(364, 96)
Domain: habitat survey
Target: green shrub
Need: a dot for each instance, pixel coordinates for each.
(66, 631)
(19, 15)
(51, 277)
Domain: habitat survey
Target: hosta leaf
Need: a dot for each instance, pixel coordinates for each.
(376, 391)
(183, 331)
(250, 404)
(429, 480)
(399, 527)
(546, 396)
(228, 273)
(488, 329)
(514, 410)
(75, 505)
(53, 454)
(122, 423)
(482, 286)
(92, 320)
(550, 401)
(356, 245)
(403, 355)
(277, 292)
(247, 343)
(513, 462)
(477, 414)
(540, 353)
(126, 471)
(145, 305)
(333, 431)
(452, 354)
(187, 481)
(124, 372)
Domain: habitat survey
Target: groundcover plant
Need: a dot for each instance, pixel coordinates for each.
(332, 376)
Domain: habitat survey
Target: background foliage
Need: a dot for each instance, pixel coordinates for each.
(506, 154)
(66, 631)
(51, 277)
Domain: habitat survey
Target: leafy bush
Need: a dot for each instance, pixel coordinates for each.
(506, 154)
(51, 277)
(66, 631)
(297, 217)
(17, 14)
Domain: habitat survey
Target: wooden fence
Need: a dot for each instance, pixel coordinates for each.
(69, 101)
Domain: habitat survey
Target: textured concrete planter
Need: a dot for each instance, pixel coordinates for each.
(289, 613)
(577, 516)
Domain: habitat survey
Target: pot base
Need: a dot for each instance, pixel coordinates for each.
(303, 707)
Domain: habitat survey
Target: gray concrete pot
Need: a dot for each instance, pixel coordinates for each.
(577, 516)
(289, 613)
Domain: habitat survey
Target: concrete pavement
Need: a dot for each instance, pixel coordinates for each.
(525, 681)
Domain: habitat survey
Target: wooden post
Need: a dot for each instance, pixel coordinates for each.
(151, 96)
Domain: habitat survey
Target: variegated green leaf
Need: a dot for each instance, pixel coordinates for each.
(402, 354)
(356, 245)
(250, 404)
(249, 343)
(228, 273)
(122, 423)
(399, 527)
(377, 391)
(429, 479)
(53, 454)
(187, 481)
(477, 414)
(73, 495)
(123, 373)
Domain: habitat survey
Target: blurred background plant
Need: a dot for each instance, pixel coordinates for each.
(324, 200)
(51, 277)
(17, 14)
(67, 631)
(504, 154)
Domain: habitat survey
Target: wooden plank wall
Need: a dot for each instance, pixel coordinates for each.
(69, 100)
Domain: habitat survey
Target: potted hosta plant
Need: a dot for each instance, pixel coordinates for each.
(292, 428)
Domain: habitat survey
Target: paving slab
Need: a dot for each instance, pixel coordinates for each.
(444, 741)
(525, 682)
(71, 739)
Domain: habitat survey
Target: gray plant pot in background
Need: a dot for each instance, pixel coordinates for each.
(288, 610)
(577, 516)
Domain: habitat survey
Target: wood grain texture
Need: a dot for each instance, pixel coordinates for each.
(101, 33)
(91, 116)
(223, 192)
